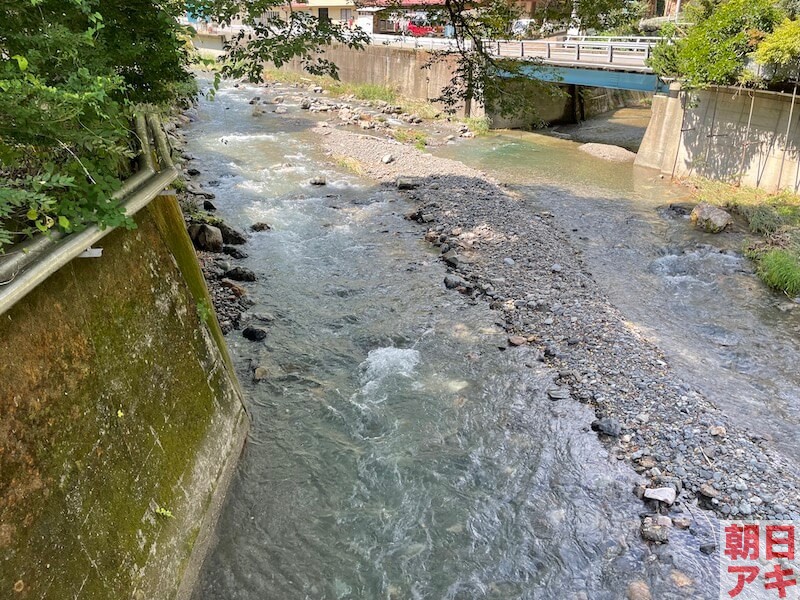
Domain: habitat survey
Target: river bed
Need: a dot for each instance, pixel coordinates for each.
(395, 451)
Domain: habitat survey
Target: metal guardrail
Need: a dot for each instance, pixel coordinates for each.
(615, 55)
(30, 263)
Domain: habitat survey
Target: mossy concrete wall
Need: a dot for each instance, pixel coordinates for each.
(118, 399)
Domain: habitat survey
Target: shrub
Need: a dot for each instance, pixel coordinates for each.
(70, 73)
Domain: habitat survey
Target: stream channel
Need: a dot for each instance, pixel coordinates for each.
(395, 452)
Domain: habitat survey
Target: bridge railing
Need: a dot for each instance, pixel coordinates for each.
(595, 52)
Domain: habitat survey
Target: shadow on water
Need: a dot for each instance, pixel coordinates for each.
(395, 453)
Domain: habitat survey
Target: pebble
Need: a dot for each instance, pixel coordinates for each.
(666, 495)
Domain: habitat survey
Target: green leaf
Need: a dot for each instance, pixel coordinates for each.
(33, 214)
(63, 222)
(21, 61)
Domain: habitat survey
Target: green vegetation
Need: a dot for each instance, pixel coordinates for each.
(411, 136)
(775, 219)
(70, 76)
(781, 50)
(479, 125)
(780, 269)
(726, 42)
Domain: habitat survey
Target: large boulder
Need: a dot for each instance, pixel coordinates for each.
(710, 218)
(231, 235)
(206, 237)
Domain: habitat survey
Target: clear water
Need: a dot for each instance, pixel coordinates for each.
(395, 452)
(693, 293)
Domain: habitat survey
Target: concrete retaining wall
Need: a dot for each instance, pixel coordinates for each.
(118, 398)
(725, 134)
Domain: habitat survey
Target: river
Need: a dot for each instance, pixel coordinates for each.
(395, 453)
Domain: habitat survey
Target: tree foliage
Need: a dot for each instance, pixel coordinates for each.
(716, 49)
(70, 72)
(780, 50)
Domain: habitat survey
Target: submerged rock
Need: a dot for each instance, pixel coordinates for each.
(710, 218)
(254, 334)
(234, 252)
(652, 531)
(260, 226)
(608, 152)
(638, 590)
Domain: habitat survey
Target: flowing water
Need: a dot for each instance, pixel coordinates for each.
(395, 452)
(693, 293)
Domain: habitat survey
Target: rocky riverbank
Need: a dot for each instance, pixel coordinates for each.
(500, 251)
(219, 245)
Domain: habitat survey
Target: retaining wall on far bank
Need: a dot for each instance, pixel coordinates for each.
(402, 69)
(744, 137)
(121, 422)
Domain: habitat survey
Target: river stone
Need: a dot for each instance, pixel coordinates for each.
(209, 205)
(708, 491)
(608, 152)
(260, 226)
(653, 532)
(234, 287)
(234, 252)
(608, 426)
(710, 218)
(277, 99)
(451, 258)
(452, 282)
(558, 393)
(662, 494)
(281, 110)
(638, 590)
(192, 172)
(517, 340)
(201, 193)
(231, 235)
(206, 237)
(260, 373)
(388, 158)
(318, 180)
(254, 334)
(240, 274)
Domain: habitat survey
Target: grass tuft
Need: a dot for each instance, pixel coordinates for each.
(780, 270)
(478, 125)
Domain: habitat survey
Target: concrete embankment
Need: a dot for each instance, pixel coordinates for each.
(745, 137)
(412, 74)
(122, 420)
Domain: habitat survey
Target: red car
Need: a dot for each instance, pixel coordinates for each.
(420, 30)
